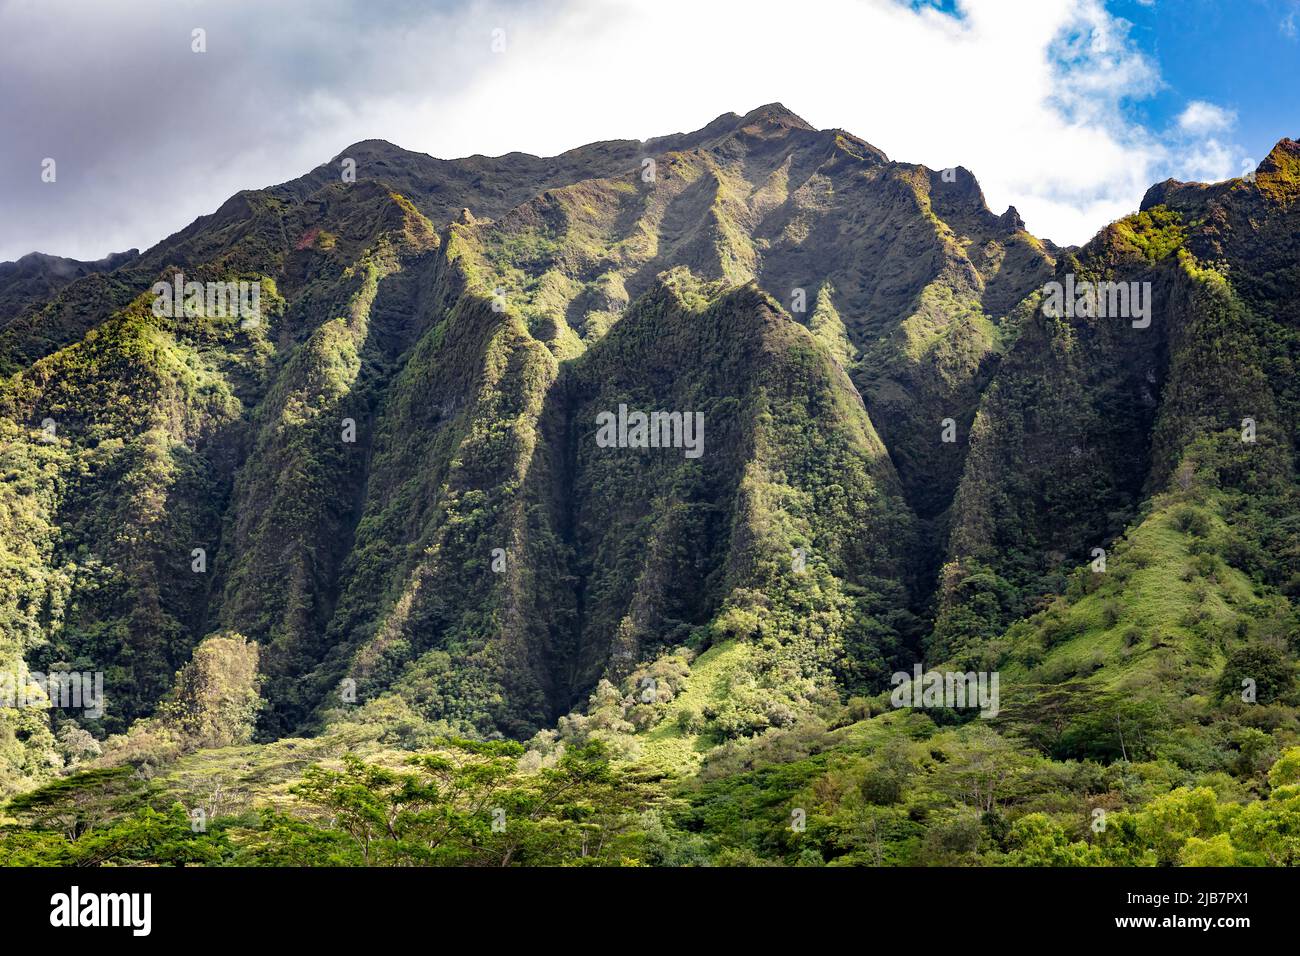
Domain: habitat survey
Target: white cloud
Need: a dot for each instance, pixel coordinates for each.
(1210, 161)
(1201, 117)
(1029, 95)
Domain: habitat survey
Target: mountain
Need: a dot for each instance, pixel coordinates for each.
(28, 285)
(401, 494)
(36, 277)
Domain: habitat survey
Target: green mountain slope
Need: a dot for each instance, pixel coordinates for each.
(390, 514)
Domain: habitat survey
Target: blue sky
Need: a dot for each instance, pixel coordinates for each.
(1243, 56)
(1067, 109)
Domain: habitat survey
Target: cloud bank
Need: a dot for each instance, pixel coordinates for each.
(1031, 96)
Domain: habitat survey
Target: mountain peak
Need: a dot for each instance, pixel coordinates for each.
(62, 265)
(1286, 150)
(1277, 177)
(1011, 219)
(775, 114)
(1282, 160)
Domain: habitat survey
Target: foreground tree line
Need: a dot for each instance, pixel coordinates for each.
(863, 786)
(470, 804)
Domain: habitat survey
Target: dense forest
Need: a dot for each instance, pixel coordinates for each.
(363, 587)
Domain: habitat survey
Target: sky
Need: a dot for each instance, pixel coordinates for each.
(1066, 109)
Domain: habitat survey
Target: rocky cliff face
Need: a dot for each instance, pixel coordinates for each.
(392, 479)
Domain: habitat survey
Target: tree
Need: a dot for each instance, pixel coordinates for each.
(1285, 772)
(1036, 840)
(73, 805)
(1265, 664)
(1170, 820)
(77, 821)
(1215, 851)
(215, 699)
(148, 835)
(76, 744)
(467, 804)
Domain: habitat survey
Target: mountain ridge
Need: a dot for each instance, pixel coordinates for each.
(389, 485)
